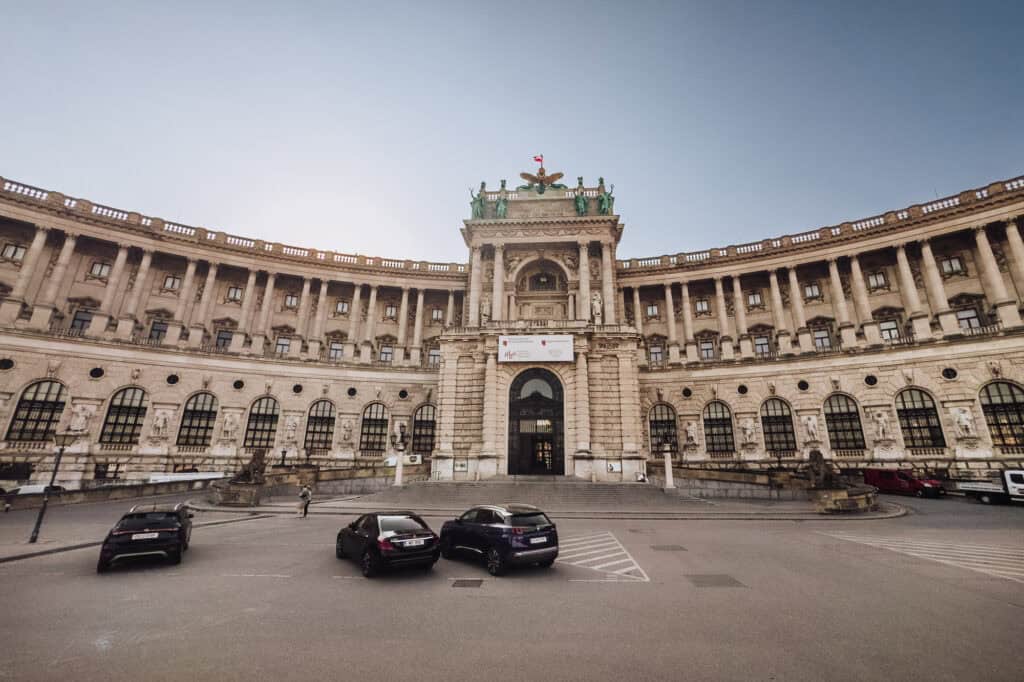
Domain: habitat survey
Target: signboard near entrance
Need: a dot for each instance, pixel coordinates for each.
(535, 348)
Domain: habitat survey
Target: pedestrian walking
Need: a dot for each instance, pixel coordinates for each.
(305, 497)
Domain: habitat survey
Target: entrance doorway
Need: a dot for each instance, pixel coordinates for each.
(536, 441)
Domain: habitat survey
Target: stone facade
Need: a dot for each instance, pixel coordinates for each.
(893, 339)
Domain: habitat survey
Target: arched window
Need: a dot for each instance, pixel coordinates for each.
(1003, 405)
(38, 411)
(197, 420)
(262, 426)
(843, 422)
(777, 423)
(373, 436)
(718, 428)
(320, 427)
(423, 427)
(919, 420)
(663, 429)
(125, 415)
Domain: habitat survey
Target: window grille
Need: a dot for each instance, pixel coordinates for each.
(423, 428)
(1003, 406)
(262, 425)
(919, 420)
(663, 429)
(38, 412)
(842, 420)
(777, 423)
(718, 434)
(197, 420)
(124, 419)
(373, 435)
(320, 426)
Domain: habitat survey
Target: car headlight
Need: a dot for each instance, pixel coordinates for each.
(927, 485)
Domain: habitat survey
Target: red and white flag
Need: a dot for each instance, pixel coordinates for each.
(539, 158)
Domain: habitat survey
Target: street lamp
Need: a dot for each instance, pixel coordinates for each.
(61, 440)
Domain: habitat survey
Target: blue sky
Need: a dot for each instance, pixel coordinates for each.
(359, 127)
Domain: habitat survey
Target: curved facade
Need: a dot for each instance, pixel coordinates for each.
(896, 338)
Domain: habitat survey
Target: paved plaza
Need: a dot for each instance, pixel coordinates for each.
(935, 594)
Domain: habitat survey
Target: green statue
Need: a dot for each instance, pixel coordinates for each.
(581, 200)
(501, 207)
(605, 200)
(478, 201)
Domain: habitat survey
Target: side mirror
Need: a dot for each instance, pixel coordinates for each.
(191, 515)
(352, 526)
(459, 521)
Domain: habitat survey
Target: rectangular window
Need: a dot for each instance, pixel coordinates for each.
(390, 311)
(889, 329)
(707, 350)
(158, 330)
(80, 322)
(234, 294)
(657, 355)
(652, 310)
(436, 315)
(341, 307)
(812, 291)
(336, 351)
(104, 471)
(172, 283)
(386, 354)
(701, 306)
(100, 269)
(762, 345)
(754, 299)
(434, 357)
(284, 344)
(968, 318)
(224, 337)
(822, 339)
(291, 301)
(13, 252)
(876, 280)
(952, 265)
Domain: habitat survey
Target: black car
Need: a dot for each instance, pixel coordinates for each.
(146, 531)
(504, 535)
(388, 540)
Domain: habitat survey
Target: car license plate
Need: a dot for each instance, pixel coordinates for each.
(414, 543)
(145, 536)
(538, 541)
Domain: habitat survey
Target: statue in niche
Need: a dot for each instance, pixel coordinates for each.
(160, 424)
(881, 420)
(964, 421)
(811, 427)
(485, 309)
(81, 415)
(346, 431)
(291, 428)
(581, 200)
(501, 207)
(596, 307)
(605, 200)
(478, 201)
(749, 429)
(229, 427)
(691, 433)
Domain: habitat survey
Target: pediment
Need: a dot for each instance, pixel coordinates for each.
(283, 329)
(84, 302)
(161, 313)
(225, 323)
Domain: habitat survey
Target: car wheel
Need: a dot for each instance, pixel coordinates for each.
(176, 557)
(447, 551)
(919, 492)
(427, 567)
(368, 565)
(102, 566)
(495, 564)
(985, 498)
(339, 549)
(547, 563)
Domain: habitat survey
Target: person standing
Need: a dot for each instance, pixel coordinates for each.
(305, 497)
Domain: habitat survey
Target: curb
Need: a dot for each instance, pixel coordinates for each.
(85, 545)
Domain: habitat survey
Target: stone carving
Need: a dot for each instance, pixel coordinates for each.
(580, 198)
(207, 379)
(811, 427)
(161, 423)
(596, 309)
(485, 308)
(229, 427)
(835, 383)
(136, 373)
(963, 418)
(501, 207)
(81, 415)
(784, 295)
(595, 269)
(995, 368)
(691, 433)
(881, 420)
(253, 471)
(268, 387)
(346, 431)
(52, 367)
(541, 181)
(478, 201)
(748, 429)
(908, 376)
(291, 429)
(771, 387)
(605, 200)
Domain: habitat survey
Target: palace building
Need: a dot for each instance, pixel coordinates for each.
(894, 339)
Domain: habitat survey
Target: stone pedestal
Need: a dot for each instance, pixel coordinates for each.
(295, 349)
(42, 316)
(237, 342)
(259, 345)
(871, 334)
(805, 341)
(1008, 313)
(848, 335)
(886, 451)
(673, 354)
(415, 357)
(98, 325)
(746, 347)
(785, 343)
(125, 328)
(726, 348)
(949, 324)
(365, 353)
(196, 333)
(173, 334)
(313, 349)
(972, 448)
(692, 354)
(442, 467)
(922, 326)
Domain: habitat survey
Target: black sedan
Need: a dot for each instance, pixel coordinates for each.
(503, 535)
(388, 540)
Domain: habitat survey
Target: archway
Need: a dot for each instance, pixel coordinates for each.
(536, 442)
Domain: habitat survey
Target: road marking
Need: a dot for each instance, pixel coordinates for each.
(999, 561)
(254, 575)
(599, 552)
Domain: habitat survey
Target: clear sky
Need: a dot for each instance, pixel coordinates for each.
(358, 127)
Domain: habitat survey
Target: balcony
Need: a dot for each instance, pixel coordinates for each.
(986, 330)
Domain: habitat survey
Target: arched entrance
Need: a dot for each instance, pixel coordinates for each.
(536, 443)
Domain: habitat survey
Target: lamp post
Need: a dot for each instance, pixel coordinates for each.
(61, 440)
(284, 453)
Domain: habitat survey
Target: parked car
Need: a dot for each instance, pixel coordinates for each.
(35, 489)
(503, 536)
(385, 540)
(1005, 486)
(148, 530)
(903, 482)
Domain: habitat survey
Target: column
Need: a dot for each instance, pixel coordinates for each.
(638, 312)
(796, 302)
(99, 321)
(10, 307)
(474, 287)
(417, 329)
(302, 320)
(259, 338)
(911, 299)
(860, 301)
(691, 344)
(782, 337)
(1006, 307)
(42, 313)
(847, 330)
(608, 282)
(129, 314)
(490, 407)
(248, 299)
(670, 320)
(366, 354)
(355, 314)
(316, 337)
(726, 349)
(583, 304)
(582, 406)
(197, 329)
(1017, 253)
(740, 309)
(403, 316)
(449, 316)
(937, 292)
(185, 297)
(498, 288)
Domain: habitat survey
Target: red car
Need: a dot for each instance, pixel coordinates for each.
(903, 482)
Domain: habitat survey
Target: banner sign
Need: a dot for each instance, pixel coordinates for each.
(535, 348)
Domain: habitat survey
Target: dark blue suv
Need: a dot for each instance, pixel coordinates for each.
(503, 535)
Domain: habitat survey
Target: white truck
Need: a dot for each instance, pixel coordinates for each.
(1005, 486)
